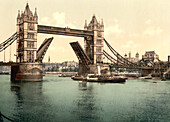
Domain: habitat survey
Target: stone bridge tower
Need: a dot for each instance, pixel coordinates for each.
(27, 36)
(28, 69)
(94, 46)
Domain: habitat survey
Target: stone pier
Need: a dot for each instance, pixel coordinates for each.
(27, 72)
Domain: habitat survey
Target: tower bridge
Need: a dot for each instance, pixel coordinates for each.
(28, 65)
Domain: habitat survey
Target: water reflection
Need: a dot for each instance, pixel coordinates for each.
(86, 109)
(82, 85)
(28, 98)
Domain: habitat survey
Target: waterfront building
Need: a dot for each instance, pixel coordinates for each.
(64, 66)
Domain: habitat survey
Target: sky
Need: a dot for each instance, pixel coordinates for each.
(129, 25)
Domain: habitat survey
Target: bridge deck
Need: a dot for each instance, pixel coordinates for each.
(8, 63)
(64, 31)
(131, 67)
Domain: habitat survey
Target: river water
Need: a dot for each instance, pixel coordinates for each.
(60, 99)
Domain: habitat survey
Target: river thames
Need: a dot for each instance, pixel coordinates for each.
(60, 99)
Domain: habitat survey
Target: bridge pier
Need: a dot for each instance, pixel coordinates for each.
(27, 72)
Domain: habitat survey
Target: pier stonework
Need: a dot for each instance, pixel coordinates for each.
(27, 72)
(28, 69)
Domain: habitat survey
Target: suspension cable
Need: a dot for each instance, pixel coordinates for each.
(118, 55)
(8, 42)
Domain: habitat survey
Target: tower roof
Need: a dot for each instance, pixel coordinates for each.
(27, 11)
(94, 20)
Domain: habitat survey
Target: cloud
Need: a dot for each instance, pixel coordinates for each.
(130, 44)
(114, 29)
(57, 19)
(153, 31)
(134, 35)
(148, 22)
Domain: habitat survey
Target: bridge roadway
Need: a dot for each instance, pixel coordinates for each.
(114, 66)
(131, 67)
(64, 31)
(8, 63)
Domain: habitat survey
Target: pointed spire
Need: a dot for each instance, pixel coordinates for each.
(18, 14)
(102, 23)
(85, 26)
(27, 11)
(22, 14)
(35, 14)
(94, 20)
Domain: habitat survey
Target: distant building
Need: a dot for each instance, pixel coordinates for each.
(150, 56)
(5, 69)
(59, 67)
(132, 59)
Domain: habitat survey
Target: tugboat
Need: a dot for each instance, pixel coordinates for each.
(104, 79)
(100, 78)
(77, 78)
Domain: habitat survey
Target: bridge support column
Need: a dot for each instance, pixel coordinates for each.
(27, 72)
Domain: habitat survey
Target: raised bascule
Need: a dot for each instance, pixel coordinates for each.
(28, 65)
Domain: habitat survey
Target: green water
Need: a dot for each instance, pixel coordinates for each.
(58, 99)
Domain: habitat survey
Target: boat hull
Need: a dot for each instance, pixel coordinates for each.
(108, 80)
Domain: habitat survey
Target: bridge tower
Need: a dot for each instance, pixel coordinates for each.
(27, 32)
(94, 46)
(26, 49)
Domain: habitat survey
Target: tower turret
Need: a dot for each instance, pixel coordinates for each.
(18, 17)
(85, 25)
(102, 25)
(35, 16)
(137, 55)
(129, 55)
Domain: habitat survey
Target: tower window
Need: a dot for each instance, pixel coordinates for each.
(30, 44)
(98, 49)
(30, 35)
(99, 34)
(30, 56)
(99, 41)
(30, 26)
(98, 58)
